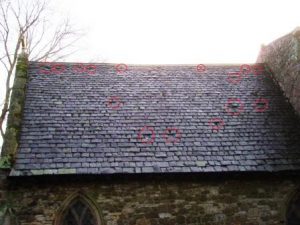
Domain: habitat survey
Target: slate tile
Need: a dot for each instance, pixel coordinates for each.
(82, 133)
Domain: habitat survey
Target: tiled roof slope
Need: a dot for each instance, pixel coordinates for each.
(73, 122)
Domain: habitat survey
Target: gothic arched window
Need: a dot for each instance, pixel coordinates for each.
(293, 212)
(79, 212)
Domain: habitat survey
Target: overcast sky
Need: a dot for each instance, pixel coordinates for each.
(175, 31)
(178, 31)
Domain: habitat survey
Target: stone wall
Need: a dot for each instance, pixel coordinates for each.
(3, 187)
(179, 200)
(14, 118)
(7, 215)
(282, 57)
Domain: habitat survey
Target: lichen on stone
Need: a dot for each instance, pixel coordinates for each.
(5, 162)
(14, 119)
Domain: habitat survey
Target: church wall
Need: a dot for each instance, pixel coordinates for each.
(191, 200)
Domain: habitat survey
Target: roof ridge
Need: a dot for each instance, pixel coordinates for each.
(151, 65)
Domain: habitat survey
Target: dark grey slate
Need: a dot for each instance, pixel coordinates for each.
(68, 125)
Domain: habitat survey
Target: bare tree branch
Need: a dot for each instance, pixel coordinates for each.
(6, 31)
(25, 21)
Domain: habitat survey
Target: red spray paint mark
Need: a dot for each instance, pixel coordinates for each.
(261, 105)
(234, 106)
(201, 68)
(45, 68)
(216, 124)
(91, 69)
(81, 68)
(58, 68)
(146, 135)
(255, 69)
(78, 68)
(114, 102)
(121, 68)
(245, 69)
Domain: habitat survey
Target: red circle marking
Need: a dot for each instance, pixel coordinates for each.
(229, 108)
(121, 68)
(258, 107)
(245, 69)
(216, 124)
(201, 68)
(114, 102)
(78, 68)
(90, 69)
(43, 70)
(234, 77)
(145, 140)
(169, 139)
(58, 68)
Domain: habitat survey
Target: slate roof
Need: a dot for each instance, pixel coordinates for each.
(99, 119)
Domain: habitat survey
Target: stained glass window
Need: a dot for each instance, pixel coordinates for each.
(79, 213)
